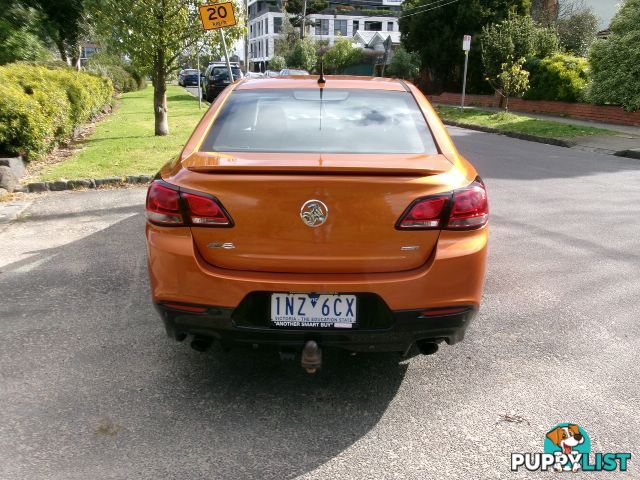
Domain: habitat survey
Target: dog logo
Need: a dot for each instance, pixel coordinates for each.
(566, 438)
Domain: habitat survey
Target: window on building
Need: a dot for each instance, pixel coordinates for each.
(266, 47)
(266, 25)
(373, 26)
(356, 26)
(390, 26)
(322, 26)
(340, 27)
(277, 24)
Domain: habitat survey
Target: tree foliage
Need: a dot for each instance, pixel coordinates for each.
(615, 62)
(341, 55)
(277, 62)
(153, 34)
(65, 22)
(303, 55)
(296, 9)
(577, 27)
(514, 38)
(20, 33)
(512, 79)
(436, 35)
(404, 65)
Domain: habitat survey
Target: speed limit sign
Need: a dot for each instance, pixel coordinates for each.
(217, 15)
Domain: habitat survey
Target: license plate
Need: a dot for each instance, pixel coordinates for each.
(311, 310)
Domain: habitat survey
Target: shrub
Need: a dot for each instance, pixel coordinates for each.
(125, 77)
(404, 65)
(41, 106)
(341, 55)
(23, 128)
(615, 62)
(303, 55)
(559, 77)
(277, 63)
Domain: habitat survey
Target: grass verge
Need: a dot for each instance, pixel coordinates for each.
(124, 143)
(510, 122)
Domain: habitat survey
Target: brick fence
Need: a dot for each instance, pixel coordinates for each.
(581, 111)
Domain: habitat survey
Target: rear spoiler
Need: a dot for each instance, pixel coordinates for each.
(312, 163)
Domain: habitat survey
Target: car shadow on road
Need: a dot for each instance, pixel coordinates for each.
(110, 389)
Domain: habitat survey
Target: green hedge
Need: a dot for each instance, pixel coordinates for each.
(40, 106)
(558, 77)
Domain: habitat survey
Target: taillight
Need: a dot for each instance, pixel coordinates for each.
(470, 207)
(425, 214)
(169, 206)
(163, 205)
(205, 211)
(463, 209)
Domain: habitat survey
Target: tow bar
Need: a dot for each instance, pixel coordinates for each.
(311, 359)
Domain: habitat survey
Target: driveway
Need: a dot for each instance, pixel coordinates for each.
(92, 388)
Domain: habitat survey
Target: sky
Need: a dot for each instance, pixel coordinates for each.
(604, 9)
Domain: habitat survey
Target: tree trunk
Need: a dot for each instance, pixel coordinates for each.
(62, 49)
(160, 95)
(75, 60)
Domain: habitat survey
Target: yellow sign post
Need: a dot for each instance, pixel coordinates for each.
(216, 16)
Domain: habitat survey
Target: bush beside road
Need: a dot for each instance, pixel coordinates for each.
(125, 144)
(40, 106)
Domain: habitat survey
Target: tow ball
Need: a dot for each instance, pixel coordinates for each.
(311, 359)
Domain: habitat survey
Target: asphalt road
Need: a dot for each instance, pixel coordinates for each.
(91, 387)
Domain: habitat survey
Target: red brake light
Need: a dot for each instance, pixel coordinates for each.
(205, 211)
(163, 205)
(463, 209)
(470, 207)
(424, 214)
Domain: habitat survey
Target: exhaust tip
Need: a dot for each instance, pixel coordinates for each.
(426, 347)
(201, 344)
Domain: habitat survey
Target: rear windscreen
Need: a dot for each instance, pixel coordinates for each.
(315, 120)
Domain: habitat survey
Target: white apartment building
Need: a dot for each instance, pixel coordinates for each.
(265, 23)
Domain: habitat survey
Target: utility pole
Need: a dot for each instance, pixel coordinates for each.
(246, 39)
(304, 17)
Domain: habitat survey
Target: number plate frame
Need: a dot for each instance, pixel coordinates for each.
(334, 311)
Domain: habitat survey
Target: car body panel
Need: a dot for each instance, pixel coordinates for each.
(357, 250)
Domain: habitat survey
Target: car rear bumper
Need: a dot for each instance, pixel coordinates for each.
(453, 276)
(406, 328)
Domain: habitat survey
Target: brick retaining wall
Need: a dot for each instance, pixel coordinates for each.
(581, 111)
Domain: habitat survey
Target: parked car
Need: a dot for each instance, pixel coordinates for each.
(216, 79)
(254, 75)
(285, 72)
(190, 73)
(271, 74)
(304, 214)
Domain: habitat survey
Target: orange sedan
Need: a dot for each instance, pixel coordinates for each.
(318, 212)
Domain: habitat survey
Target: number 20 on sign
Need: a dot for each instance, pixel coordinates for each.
(217, 15)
